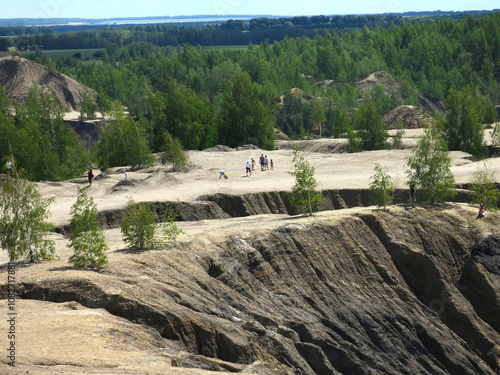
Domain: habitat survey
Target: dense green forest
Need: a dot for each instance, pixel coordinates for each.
(231, 32)
(206, 96)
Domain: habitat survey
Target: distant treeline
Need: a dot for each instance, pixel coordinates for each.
(231, 32)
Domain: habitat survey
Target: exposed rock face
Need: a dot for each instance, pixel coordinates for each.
(346, 292)
(17, 76)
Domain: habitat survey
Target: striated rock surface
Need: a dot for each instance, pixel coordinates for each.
(357, 291)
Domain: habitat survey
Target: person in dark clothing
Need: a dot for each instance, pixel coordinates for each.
(482, 212)
(413, 195)
(90, 175)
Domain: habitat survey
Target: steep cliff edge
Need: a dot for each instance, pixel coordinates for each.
(357, 291)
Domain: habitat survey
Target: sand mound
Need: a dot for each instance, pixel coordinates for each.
(219, 148)
(409, 116)
(380, 78)
(17, 76)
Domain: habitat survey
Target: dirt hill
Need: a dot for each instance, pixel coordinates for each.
(380, 78)
(17, 76)
(409, 116)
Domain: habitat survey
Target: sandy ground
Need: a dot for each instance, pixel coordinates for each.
(159, 183)
(333, 171)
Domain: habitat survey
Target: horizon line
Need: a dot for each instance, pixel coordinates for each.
(248, 15)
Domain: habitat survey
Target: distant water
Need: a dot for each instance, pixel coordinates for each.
(128, 21)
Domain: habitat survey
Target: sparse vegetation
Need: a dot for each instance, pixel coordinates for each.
(173, 152)
(483, 189)
(141, 230)
(382, 187)
(430, 168)
(88, 243)
(303, 196)
(23, 220)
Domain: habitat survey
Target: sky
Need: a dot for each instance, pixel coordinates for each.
(138, 8)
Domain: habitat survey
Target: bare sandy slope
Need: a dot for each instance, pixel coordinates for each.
(81, 340)
(333, 171)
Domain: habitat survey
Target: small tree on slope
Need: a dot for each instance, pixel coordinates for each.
(429, 168)
(382, 187)
(483, 189)
(23, 225)
(303, 195)
(88, 243)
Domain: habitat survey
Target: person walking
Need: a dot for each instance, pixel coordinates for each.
(413, 195)
(90, 176)
(249, 168)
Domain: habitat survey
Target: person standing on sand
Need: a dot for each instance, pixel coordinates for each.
(266, 163)
(253, 164)
(261, 162)
(413, 195)
(90, 176)
(272, 164)
(126, 175)
(249, 168)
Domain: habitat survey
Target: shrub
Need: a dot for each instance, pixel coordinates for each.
(88, 243)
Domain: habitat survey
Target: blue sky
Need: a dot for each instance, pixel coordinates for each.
(138, 8)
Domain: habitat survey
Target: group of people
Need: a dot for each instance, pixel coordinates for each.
(265, 163)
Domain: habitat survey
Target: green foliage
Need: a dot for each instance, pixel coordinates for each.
(182, 114)
(243, 119)
(23, 220)
(371, 132)
(173, 152)
(122, 142)
(463, 129)
(139, 226)
(202, 108)
(495, 135)
(382, 101)
(318, 117)
(169, 228)
(37, 137)
(88, 107)
(382, 187)
(88, 243)
(483, 189)
(397, 139)
(430, 168)
(303, 195)
(337, 120)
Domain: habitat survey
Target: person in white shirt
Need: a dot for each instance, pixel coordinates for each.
(9, 168)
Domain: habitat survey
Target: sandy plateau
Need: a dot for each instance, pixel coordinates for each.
(68, 338)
